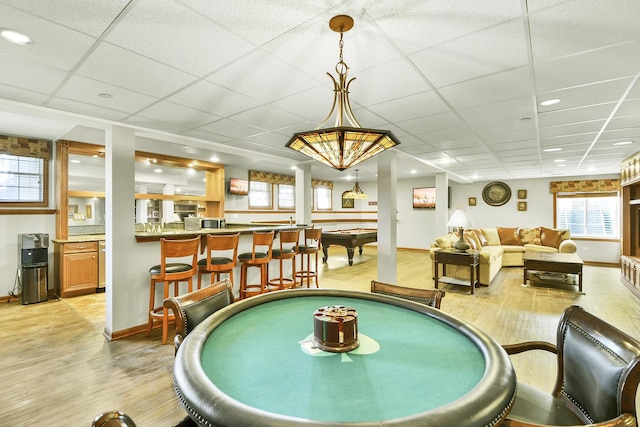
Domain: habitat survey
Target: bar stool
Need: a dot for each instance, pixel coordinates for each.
(171, 272)
(312, 237)
(219, 258)
(288, 251)
(260, 255)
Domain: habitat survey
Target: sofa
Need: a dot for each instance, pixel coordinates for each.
(503, 247)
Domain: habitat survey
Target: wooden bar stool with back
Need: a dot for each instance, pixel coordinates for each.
(260, 255)
(287, 250)
(311, 246)
(222, 257)
(171, 270)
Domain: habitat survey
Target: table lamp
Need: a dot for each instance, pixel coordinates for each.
(460, 220)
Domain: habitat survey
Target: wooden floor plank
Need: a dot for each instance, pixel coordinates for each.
(59, 370)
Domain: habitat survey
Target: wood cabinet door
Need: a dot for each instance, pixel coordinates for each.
(80, 273)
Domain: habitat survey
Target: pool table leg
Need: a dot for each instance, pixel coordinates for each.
(350, 254)
(360, 249)
(325, 251)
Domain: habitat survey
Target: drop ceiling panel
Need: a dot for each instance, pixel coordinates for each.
(267, 117)
(140, 74)
(28, 75)
(183, 117)
(86, 109)
(410, 107)
(175, 35)
(209, 97)
(576, 115)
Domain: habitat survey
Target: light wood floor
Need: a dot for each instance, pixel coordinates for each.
(59, 370)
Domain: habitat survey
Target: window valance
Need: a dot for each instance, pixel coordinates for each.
(276, 178)
(584, 186)
(25, 147)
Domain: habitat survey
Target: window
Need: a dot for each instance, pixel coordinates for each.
(23, 180)
(322, 198)
(286, 196)
(260, 195)
(589, 214)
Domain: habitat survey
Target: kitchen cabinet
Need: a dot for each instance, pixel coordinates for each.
(76, 268)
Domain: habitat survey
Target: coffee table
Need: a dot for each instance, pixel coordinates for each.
(553, 263)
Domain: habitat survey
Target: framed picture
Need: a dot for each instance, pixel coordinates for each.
(522, 194)
(89, 211)
(72, 209)
(347, 203)
(424, 197)
(522, 206)
(472, 201)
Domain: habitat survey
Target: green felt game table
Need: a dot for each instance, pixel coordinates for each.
(254, 364)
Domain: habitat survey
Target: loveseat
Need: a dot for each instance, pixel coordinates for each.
(504, 247)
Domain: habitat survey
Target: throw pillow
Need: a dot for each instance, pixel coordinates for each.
(444, 241)
(550, 237)
(481, 238)
(470, 237)
(491, 234)
(530, 235)
(509, 236)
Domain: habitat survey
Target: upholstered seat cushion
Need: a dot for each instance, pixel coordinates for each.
(535, 406)
(304, 248)
(175, 267)
(277, 252)
(218, 260)
(539, 248)
(512, 249)
(248, 255)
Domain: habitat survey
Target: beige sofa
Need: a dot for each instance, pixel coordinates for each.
(504, 247)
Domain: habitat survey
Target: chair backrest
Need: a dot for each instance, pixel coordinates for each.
(192, 308)
(598, 367)
(222, 243)
(289, 241)
(113, 419)
(172, 249)
(430, 297)
(312, 237)
(262, 243)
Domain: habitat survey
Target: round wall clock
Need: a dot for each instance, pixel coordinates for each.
(496, 193)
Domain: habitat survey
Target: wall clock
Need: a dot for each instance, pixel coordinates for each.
(496, 193)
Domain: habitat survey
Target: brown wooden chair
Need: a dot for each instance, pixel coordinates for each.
(171, 270)
(192, 308)
(222, 257)
(287, 250)
(311, 246)
(430, 297)
(598, 372)
(260, 256)
(113, 419)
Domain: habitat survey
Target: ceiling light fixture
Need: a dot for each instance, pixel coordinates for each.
(623, 143)
(550, 102)
(551, 150)
(15, 37)
(340, 146)
(356, 192)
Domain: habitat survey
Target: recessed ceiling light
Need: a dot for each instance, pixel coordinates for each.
(15, 37)
(75, 161)
(559, 160)
(550, 102)
(157, 170)
(214, 159)
(623, 143)
(413, 171)
(105, 95)
(550, 150)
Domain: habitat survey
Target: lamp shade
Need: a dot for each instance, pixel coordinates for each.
(459, 219)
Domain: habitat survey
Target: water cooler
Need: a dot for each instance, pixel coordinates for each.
(33, 263)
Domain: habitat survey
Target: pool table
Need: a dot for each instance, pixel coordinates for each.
(415, 365)
(350, 239)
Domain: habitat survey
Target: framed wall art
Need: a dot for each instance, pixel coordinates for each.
(347, 203)
(472, 201)
(522, 194)
(522, 206)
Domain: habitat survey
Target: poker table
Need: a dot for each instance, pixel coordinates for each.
(253, 363)
(350, 239)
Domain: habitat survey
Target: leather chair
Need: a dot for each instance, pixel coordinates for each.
(598, 372)
(169, 272)
(287, 250)
(430, 297)
(192, 308)
(311, 246)
(222, 255)
(260, 256)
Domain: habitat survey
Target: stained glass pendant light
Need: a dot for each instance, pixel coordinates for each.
(342, 147)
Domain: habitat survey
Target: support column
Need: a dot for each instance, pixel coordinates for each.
(442, 203)
(387, 217)
(304, 194)
(122, 304)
